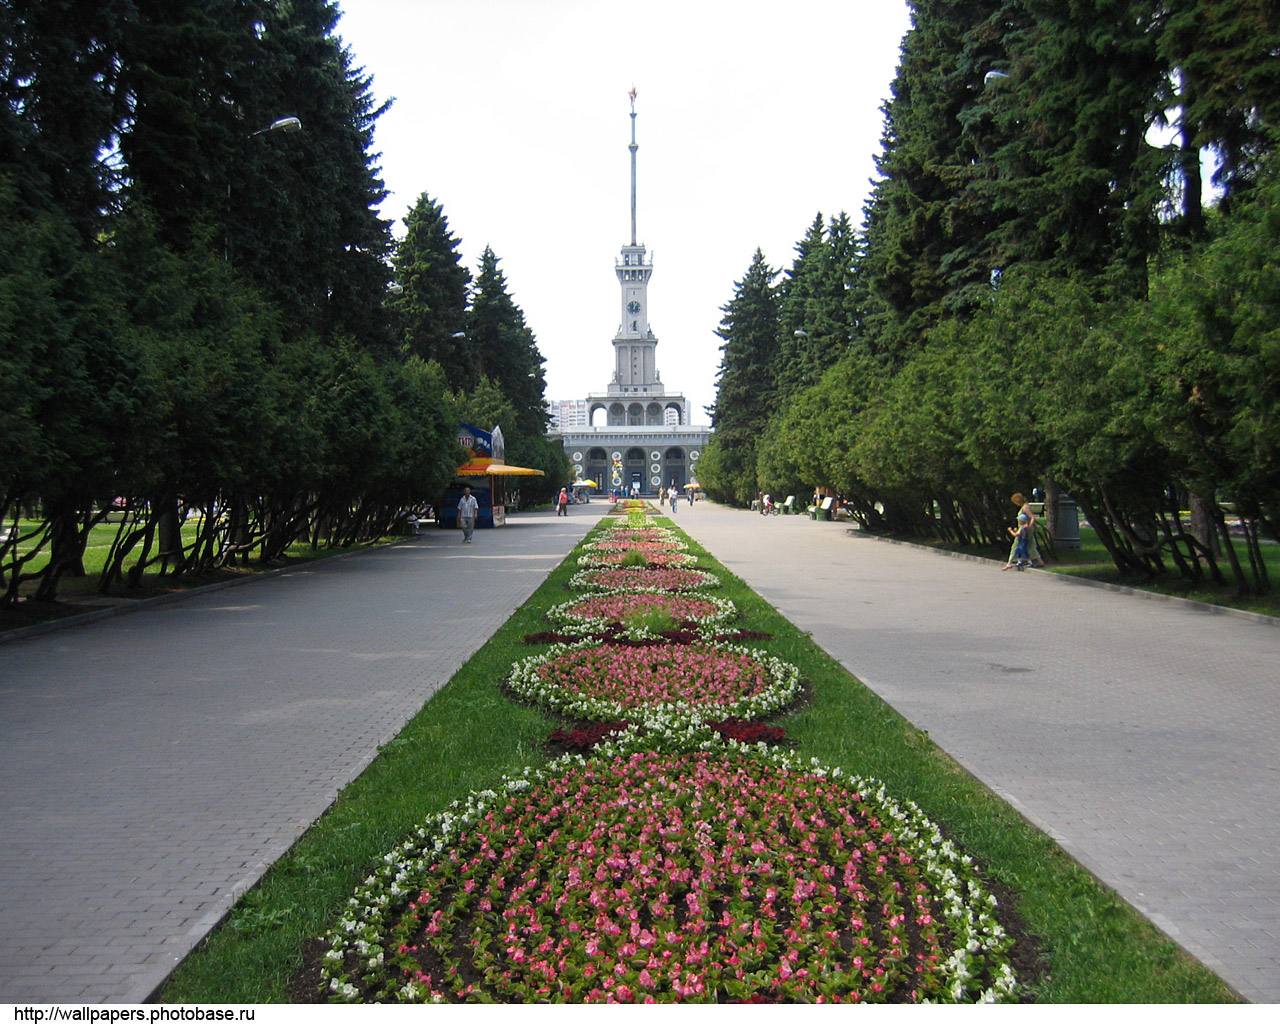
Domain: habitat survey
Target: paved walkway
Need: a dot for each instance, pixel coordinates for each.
(1140, 734)
(152, 766)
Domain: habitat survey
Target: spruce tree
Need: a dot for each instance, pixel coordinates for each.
(800, 296)
(432, 308)
(927, 234)
(61, 104)
(1223, 63)
(295, 214)
(505, 349)
(1086, 83)
(746, 392)
(819, 310)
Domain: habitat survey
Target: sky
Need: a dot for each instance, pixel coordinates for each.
(514, 116)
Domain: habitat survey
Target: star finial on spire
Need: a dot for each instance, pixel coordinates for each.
(632, 94)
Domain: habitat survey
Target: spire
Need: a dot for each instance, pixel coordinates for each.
(633, 147)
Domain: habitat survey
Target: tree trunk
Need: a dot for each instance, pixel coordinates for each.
(66, 554)
(1203, 523)
(170, 525)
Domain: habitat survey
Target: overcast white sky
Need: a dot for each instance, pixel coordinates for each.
(513, 114)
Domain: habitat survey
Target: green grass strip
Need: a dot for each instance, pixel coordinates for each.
(1093, 946)
(1091, 561)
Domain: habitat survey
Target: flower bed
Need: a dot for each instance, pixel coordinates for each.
(626, 532)
(606, 682)
(672, 579)
(645, 547)
(645, 544)
(700, 871)
(653, 557)
(674, 862)
(598, 610)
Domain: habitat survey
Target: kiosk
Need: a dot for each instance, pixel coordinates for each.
(486, 473)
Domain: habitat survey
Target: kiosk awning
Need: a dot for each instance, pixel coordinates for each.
(483, 467)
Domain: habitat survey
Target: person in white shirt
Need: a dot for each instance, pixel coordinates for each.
(467, 509)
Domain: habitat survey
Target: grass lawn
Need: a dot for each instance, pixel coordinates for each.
(1089, 944)
(1092, 562)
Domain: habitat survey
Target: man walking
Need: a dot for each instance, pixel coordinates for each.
(467, 509)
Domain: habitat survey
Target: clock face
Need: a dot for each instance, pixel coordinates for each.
(633, 307)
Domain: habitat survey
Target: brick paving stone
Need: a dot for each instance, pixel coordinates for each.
(153, 765)
(1139, 733)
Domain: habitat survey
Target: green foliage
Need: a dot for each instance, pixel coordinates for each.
(294, 213)
(486, 406)
(539, 452)
(819, 313)
(1213, 338)
(1036, 298)
(746, 385)
(60, 93)
(1228, 84)
(506, 350)
(932, 222)
(193, 308)
(432, 309)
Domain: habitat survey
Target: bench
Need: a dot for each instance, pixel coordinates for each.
(789, 506)
(822, 510)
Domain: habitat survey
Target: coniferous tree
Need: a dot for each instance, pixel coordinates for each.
(432, 309)
(505, 349)
(928, 247)
(819, 312)
(1086, 84)
(801, 297)
(294, 213)
(60, 103)
(1226, 85)
(746, 393)
(315, 238)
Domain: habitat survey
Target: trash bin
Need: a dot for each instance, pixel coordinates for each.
(1067, 535)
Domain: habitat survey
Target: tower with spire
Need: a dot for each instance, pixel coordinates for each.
(646, 439)
(635, 346)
